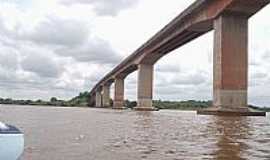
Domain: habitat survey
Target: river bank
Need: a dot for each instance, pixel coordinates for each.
(160, 105)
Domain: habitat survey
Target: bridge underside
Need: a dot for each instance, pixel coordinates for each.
(229, 19)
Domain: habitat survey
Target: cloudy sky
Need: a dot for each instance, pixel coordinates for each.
(61, 47)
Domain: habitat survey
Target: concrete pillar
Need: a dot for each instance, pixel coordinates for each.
(230, 66)
(106, 95)
(231, 62)
(119, 85)
(98, 98)
(145, 87)
(92, 101)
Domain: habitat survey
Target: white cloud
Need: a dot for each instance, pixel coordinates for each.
(57, 31)
(42, 65)
(104, 7)
(94, 50)
(9, 58)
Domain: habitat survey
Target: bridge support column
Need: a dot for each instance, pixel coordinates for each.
(230, 67)
(106, 95)
(92, 101)
(119, 85)
(98, 98)
(145, 88)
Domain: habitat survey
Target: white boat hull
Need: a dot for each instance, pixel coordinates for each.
(11, 145)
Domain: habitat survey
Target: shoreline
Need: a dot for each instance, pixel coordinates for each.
(163, 108)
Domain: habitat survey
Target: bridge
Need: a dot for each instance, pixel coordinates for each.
(229, 20)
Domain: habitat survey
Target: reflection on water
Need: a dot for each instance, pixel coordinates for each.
(76, 133)
(237, 137)
(231, 133)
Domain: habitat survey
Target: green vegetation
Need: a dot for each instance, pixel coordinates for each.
(82, 101)
(265, 109)
(79, 101)
(130, 104)
(186, 105)
(182, 105)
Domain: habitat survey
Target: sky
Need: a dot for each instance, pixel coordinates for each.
(63, 47)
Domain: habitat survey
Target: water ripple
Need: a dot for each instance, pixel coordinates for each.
(127, 135)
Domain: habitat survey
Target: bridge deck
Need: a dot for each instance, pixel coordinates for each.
(196, 20)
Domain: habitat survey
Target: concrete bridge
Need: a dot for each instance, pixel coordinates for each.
(229, 20)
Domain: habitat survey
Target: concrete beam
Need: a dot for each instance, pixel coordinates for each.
(145, 87)
(119, 85)
(196, 20)
(229, 17)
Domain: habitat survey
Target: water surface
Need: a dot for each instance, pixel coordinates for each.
(105, 134)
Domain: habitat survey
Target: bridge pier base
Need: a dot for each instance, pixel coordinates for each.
(98, 98)
(106, 95)
(145, 88)
(119, 85)
(230, 67)
(230, 112)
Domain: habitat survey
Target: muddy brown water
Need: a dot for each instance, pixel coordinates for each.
(103, 134)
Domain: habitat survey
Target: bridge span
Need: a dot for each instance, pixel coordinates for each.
(229, 20)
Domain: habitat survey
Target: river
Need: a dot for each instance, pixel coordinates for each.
(53, 133)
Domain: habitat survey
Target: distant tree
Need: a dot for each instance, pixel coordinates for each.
(111, 102)
(28, 102)
(81, 94)
(130, 104)
(53, 99)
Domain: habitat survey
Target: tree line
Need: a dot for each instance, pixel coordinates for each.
(82, 101)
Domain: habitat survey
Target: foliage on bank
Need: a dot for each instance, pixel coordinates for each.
(181, 105)
(265, 109)
(79, 101)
